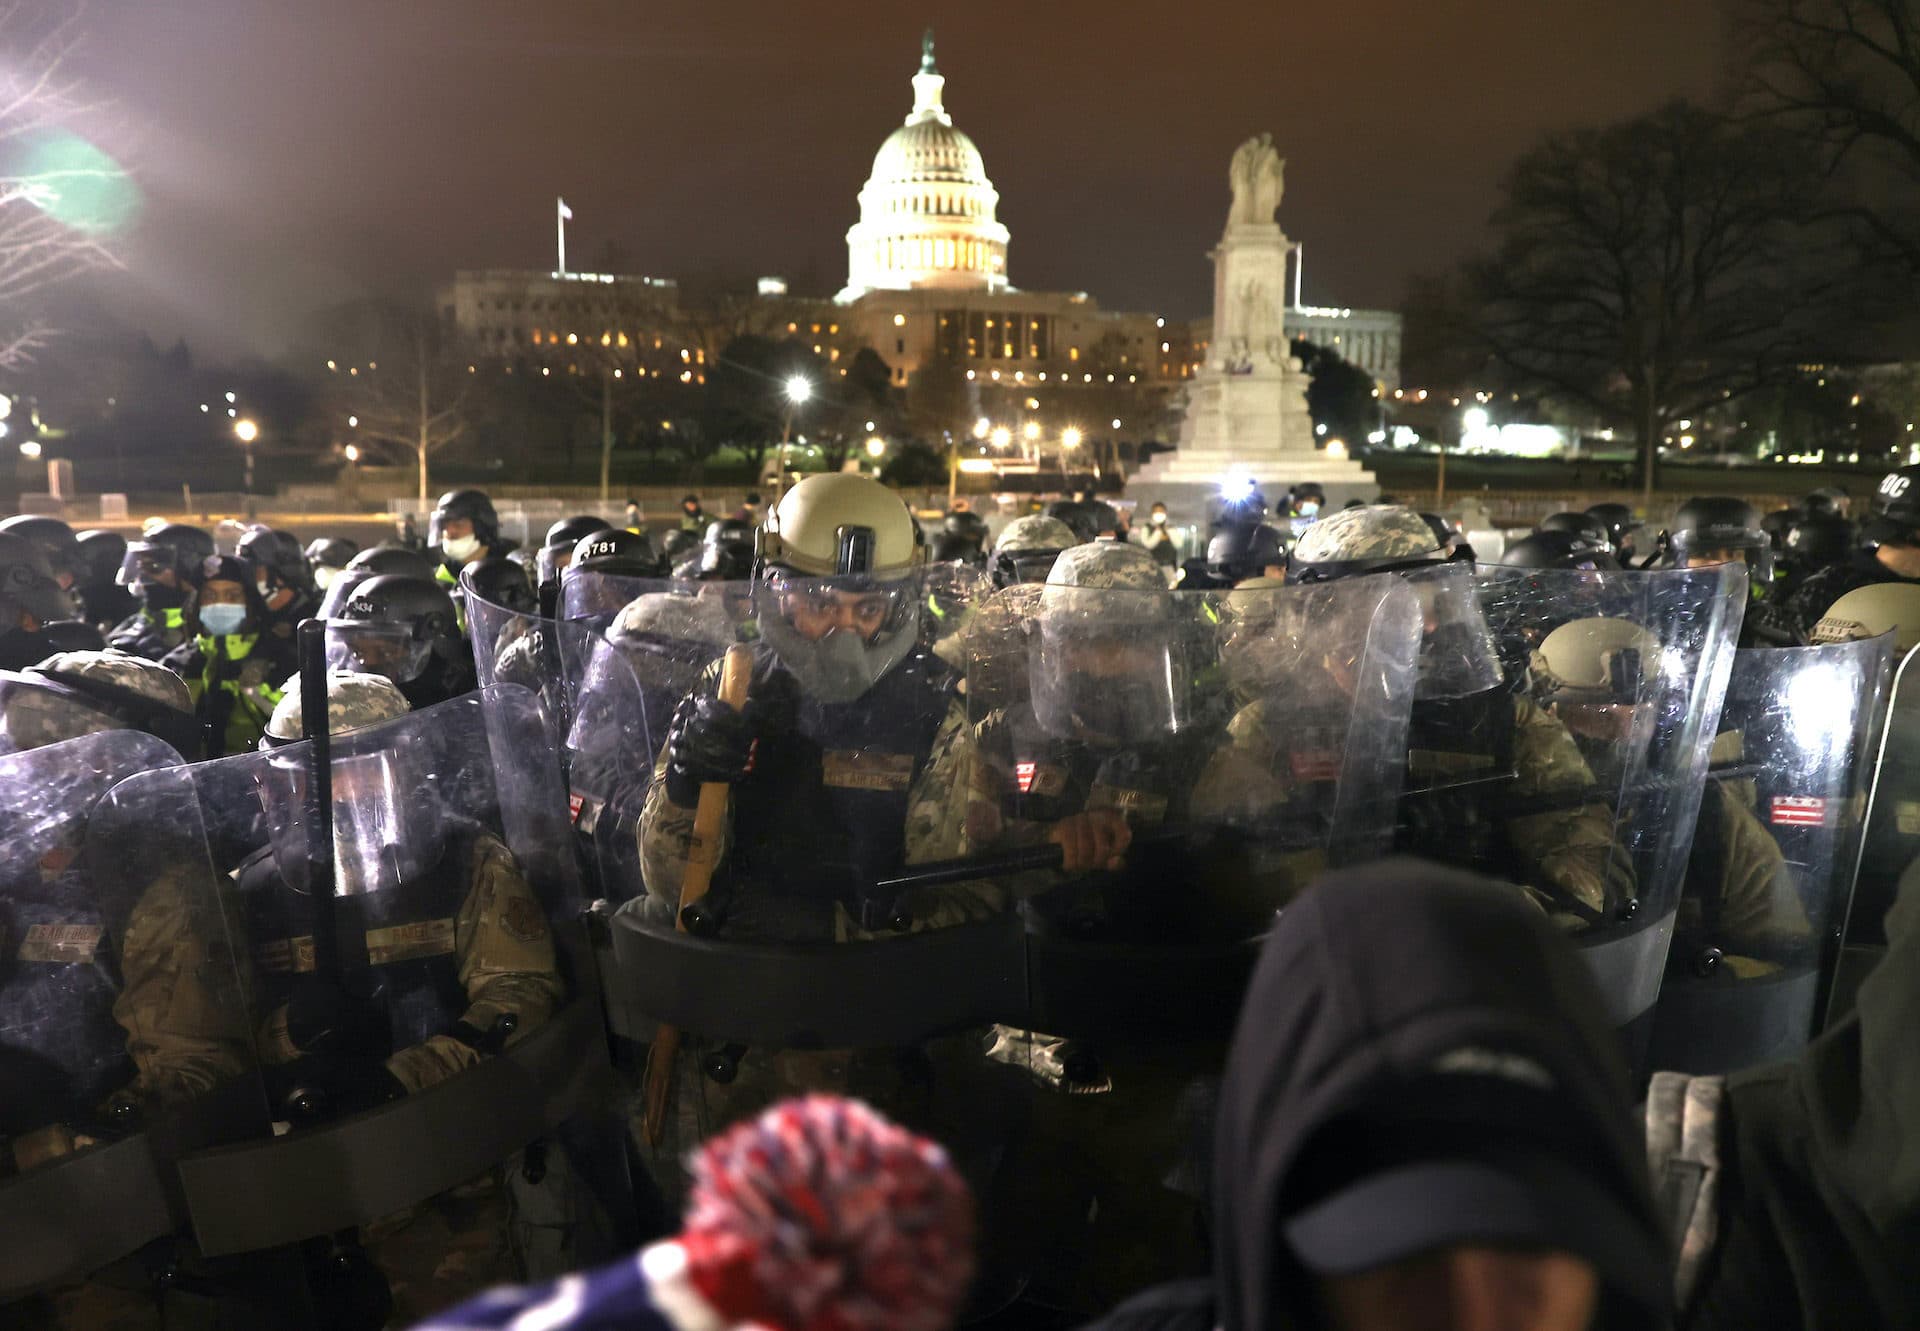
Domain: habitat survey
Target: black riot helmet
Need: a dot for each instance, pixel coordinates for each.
(1560, 549)
(965, 523)
(1828, 499)
(174, 545)
(28, 586)
(1245, 550)
(1618, 519)
(1778, 523)
(408, 621)
(474, 506)
(279, 553)
(556, 554)
(1817, 540)
(330, 552)
(55, 539)
(615, 551)
(679, 544)
(729, 531)
(500, 582)
(1896, 510)
(101, 554)
(391, 559)
(1717, 529)
(1585, 524)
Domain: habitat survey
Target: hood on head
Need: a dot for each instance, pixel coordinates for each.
(1379, 980)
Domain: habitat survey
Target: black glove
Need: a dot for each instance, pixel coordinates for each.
(321, 1087)
(707, 741)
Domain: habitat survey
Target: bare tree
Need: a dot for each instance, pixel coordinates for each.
(399, 383)
(1844, 74)
(38, 250)
(1653, 268)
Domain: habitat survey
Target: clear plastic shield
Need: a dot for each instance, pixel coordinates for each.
(422, 1007)
(624, 675)
(1245, 740)
(1580, 778)
(1890, 845)
(1769, 876)
(119, 1045)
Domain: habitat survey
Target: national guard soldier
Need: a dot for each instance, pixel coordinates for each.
(1027, 547)
(116, 1010)
(162, 570)
(282, 579)
(1477, 746)
(459, 961)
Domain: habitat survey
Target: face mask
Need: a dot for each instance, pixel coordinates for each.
(221, 620)
(1309, 509)
(459, 549)
(1159, 519)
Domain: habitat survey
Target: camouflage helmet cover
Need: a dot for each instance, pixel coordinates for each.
(354, 700)
(122, 671)
(1376, 535)
(1108, 565)
(1035, 532)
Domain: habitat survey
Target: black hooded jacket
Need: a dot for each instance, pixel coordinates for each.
(1366, 982)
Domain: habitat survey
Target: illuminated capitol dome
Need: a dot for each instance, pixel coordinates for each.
(926, 213)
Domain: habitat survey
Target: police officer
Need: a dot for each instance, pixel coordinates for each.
(383, 559)
(1560, 549)
(405, 628)
(605, 563)
(725, 553)
(55, 540)
(231, 664)
(1618, 519)
(281, 577)
(327, 556)
(693, 518)
(1888, 551)
(1238, 551)
(31, 599)
(556, 554)
(1027, 548)
(1469, 725)
(1812, 542)
(162, 570)
(103, 601)
(961, 539)
(1712, 530)
(1087, 516)
(464, 527)
(457, 949)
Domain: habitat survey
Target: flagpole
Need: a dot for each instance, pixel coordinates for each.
(561, 213)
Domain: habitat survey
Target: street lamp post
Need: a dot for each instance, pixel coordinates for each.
(798, 390)
(246, 432)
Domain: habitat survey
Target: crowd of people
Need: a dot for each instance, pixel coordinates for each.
(1063, 838)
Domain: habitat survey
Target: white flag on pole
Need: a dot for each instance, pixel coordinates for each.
(566, 213)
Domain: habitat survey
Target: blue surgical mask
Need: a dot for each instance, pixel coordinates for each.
(222, 620)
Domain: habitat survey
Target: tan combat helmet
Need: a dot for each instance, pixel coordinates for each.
(1586, 661)
(839, 525)
(1867, 612)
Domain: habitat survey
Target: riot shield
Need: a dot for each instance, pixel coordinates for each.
(1582, 785)
(1770, 871)
(624, 674)
(116, 1048)
(1890, 844)
(423, 1014)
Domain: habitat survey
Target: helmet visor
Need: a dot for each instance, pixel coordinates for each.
(392, 650)
(1708, 548)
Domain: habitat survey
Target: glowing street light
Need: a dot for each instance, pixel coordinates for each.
(352, 452)
(876, 446)
(245, 431)
(1475, 419)
(798, 389)
(982, 428)
(1030, 431)
(1001, 437)
(29, 448)
(1070, 438)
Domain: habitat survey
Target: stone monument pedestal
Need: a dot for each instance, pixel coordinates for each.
(1247, 411)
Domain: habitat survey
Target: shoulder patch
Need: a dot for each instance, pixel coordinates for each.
(523, 919)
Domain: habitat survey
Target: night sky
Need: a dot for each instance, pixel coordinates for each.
(294, 154)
